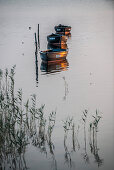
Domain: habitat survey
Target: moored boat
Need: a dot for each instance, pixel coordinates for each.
(53, 55)
(63, 29)
(57, 46)
(56, 38)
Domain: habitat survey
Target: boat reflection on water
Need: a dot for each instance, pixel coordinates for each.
(52, 67)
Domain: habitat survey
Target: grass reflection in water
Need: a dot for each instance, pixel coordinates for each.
(20, 124)
(24, 124)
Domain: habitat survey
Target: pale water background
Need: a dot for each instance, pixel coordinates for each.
(88, 83)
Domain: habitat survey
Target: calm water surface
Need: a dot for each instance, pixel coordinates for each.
(84, 81)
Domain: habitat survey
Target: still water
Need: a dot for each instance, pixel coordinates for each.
(84, 81)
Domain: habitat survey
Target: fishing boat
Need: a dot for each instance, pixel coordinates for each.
(53, 55)
(63, 29)
(56, 38)
(54, 67)
(57, 46)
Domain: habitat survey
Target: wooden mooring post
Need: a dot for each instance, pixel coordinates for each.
(36, 64)
(38, 38)
(35, 41)
(36, 59)
(37, 45)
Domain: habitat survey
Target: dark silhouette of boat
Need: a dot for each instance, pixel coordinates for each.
(54, 67)
(57, 46)
(63, 29)
(56, 38)
(53, 55)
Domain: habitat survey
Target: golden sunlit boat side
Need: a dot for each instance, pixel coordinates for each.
(53, 55)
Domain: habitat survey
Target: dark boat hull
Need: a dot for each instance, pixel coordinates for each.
(53, 56)
(56, 38)
(57, 46)
(66, 33)
(61, 29)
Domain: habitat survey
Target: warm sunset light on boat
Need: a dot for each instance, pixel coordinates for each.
(56, 84)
